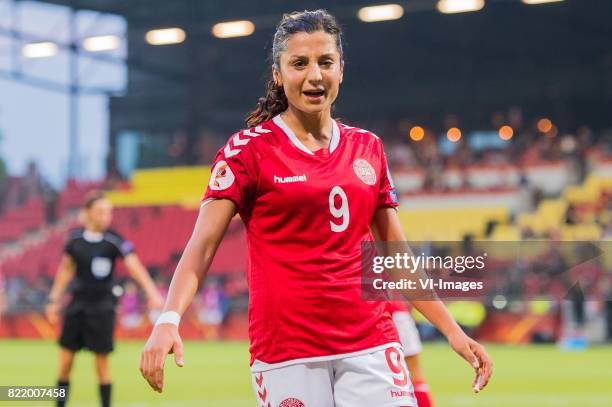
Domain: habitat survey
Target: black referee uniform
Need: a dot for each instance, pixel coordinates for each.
(89, 319)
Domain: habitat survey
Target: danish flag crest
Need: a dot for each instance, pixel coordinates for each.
(237, 141)
(291, 402)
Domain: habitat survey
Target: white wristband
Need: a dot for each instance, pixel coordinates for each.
(169, 317)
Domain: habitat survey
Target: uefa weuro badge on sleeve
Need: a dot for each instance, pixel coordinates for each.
(222, 176)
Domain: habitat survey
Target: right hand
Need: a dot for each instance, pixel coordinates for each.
(164, 340)
(52, 311)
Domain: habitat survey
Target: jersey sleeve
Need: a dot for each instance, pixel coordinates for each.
(124, 247)
(233, 175)
(69, 246)
(387, 194)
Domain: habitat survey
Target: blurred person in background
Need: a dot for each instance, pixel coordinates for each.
(412, 347)
(606, 288)
(129, 307)
(308, 189)
(88, 264)
(210, 310)
(2, 297)
(162, 288)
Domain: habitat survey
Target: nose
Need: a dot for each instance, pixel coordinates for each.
(314, 73)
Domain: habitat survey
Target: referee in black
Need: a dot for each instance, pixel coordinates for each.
(87, 265)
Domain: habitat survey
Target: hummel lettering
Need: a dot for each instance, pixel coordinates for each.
(401, 393)
(287, 180)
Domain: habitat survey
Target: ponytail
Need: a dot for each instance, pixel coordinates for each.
(273, 103)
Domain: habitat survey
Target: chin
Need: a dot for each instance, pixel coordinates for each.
(312, 109)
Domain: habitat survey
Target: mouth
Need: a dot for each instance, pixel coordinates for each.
(314, 93)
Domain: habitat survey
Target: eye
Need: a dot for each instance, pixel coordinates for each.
(299, 63)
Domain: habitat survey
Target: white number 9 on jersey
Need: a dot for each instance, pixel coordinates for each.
(339, 213)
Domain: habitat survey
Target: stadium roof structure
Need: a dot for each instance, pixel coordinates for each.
(553, 59)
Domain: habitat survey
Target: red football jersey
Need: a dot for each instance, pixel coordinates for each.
(306, 215)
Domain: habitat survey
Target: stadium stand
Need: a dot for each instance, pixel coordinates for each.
(449, 198)
(21, 220)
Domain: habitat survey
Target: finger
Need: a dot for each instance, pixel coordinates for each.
(158, 374)
(478, 383)
(150, 369)
(487, 377)
(486, 369)
(486, 363)
(478, 378)
(141, 364)
(178, 353)
(467, 354)
(144, 368)
(486, 381)
(144, 365)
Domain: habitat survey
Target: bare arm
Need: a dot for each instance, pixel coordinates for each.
(140, 274)
(65, 274)
(388, 228)
(209, 229)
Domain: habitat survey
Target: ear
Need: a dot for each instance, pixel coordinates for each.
(82, 216)
(341, 71)
(276, 75)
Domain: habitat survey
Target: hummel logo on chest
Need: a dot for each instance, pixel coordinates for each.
(288, 180)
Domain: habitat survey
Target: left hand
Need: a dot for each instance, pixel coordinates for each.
(52, 311)
(476, 355)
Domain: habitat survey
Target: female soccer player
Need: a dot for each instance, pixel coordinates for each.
(307, 189)
(88, 263)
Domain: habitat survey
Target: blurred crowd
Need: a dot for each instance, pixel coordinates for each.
(430, 153)
(15, 191)
(434, 154)
(220, 296)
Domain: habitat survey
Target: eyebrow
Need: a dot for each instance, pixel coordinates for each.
(297, 56)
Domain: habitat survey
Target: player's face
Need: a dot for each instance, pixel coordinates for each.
(310, 71)
(100, 214)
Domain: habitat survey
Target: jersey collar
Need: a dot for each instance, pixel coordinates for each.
(93, 237)
(333, 143)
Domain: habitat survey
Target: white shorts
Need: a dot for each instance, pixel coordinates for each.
(408, 333)
(378, 379)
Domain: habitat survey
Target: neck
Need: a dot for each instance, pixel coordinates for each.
(92, 228)
(306, 125)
